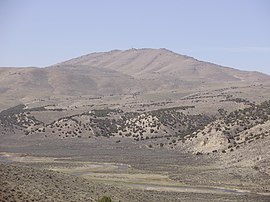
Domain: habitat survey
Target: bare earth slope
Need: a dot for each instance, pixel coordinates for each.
(163, 64)
(32, 83)
(117, 72)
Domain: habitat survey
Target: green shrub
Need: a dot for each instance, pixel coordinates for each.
(105, 199)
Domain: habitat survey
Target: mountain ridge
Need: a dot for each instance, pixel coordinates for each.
(118, 72)
(138, 62)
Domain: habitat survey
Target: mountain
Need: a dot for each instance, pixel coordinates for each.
(163, 64)
(24, 84)
(184, 122)
(116, 72)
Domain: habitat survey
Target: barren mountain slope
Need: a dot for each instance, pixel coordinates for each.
(24, 84)
(163, 64)
(117, 72)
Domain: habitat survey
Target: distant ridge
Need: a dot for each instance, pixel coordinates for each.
(117, 72)
(163, 64)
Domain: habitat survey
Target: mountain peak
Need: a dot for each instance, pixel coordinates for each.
(121, 71)
(162, 64)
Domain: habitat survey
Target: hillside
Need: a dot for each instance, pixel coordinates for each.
(118, 73)
(240, 128)
(26, 84)
(165, 65)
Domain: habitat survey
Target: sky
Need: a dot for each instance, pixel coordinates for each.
(234, 33)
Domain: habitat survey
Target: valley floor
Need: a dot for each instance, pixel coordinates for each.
(80, 171)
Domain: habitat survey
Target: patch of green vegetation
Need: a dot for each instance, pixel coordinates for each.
(105, 199)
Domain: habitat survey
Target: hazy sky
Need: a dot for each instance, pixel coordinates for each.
(233, 33)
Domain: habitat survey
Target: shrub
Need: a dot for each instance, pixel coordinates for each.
(256, 168)
(105, 199)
